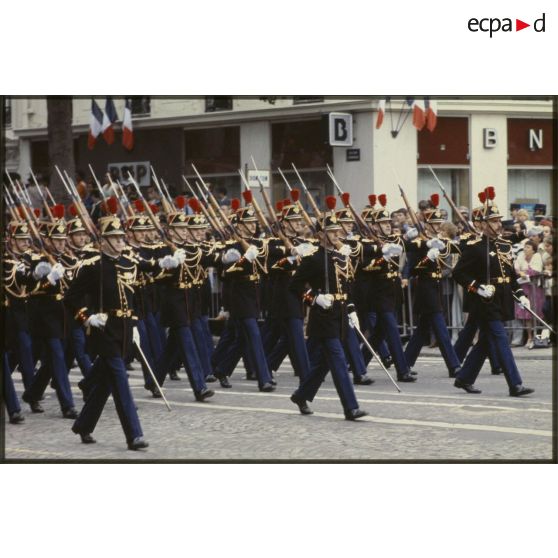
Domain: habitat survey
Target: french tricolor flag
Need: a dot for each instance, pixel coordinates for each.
(95, 124)
(381, 112)
(419, 118)
(431, 114)
(127, 130)
(109, 118)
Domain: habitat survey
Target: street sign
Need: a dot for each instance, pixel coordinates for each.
(340, 129)
(141, 171)
(264, 177)
(353, 155)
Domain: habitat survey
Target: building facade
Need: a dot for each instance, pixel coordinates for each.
(506, 143)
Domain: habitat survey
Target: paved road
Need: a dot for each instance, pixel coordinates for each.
(429, 420)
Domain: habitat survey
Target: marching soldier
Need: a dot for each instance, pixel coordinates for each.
(486, 270)
(49, 319)
(328, 273)
(428, 298)
(101, 297)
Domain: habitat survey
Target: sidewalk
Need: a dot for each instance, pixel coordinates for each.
(520, 353)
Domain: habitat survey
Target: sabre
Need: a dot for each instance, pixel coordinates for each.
(468, 225)
(535, 315)
(308, 194)
(369, 347)
(152, 374)
(49, 212)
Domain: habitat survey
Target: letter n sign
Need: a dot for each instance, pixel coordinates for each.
(340, 129)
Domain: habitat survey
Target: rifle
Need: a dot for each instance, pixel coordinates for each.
(167, 204)
(205, 212)
(257, 208)
(412, 215)
(49, 212)
(317, 212)
(303, 211)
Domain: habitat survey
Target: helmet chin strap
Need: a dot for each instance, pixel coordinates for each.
(112, 249)
(490, 227)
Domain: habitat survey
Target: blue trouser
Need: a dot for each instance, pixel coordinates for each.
(200, 339)
(75, 348)
(181, 339)
(108, 375)
(25, 357)
(253, 350)
(387, 323)
(421, 337)
(10, 395)
(153, 330)
(291, 342)
(375, 337)
(228, 351)
(465, 340)
(53, 366)
(208, 336)
(147, 349)
(353, 353)
(494, 332)
(328, 354)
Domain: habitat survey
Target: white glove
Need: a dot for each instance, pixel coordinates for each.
(231, 256)
(345, 250)
(353, 320)
(223, 314)
(303, 249)
(325, 301)
(168, 262)
(411, 234)
(135, 336)
(435, 243)
(291, 259)
(20, 267)
(252, 253)
(56, 273)
(432, 254)
(41, 270)
(390, 250)
(524, 301)
(97, 320)
(534, 231)
(179, 255)
(486, 291)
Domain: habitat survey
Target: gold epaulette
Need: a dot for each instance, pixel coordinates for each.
(90, 261)
(474, 241)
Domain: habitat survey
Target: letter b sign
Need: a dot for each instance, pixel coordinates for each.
(340, 129)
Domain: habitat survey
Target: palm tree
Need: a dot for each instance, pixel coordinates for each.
(60, 143)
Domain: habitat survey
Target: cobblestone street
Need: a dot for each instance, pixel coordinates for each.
(430, 420)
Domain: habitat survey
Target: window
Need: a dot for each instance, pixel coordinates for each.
(214, 104)
(7, 112)
(307, 100)
(141, 106)
(529, 187)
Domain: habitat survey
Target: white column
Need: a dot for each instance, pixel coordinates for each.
(24, 158)
(355, 177)
(489, 166)
(255, 141)
(395, 160)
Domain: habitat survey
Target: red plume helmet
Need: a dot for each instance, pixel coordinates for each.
(482, 197)
(37, 212)
(112, 205)
(154, 208)
(235, 204)
(346, 198)
(247, 195)
(194, 205)
(382, 198)
(73, 210)
(295, 194)
(58, 211)
(180, 202)
(435, 200)
(140, 206)
(372, 200)
(286, 202)
(331, 202)
(490, 192)
(279, 206)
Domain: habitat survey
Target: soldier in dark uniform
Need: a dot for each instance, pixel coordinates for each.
(16, 303)
(10, 396)
(428, 297)
(384, 294)
(331, 313)
(49, 318)
(243, 272)
(101, 297)
(486, 270)
(177, 311)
